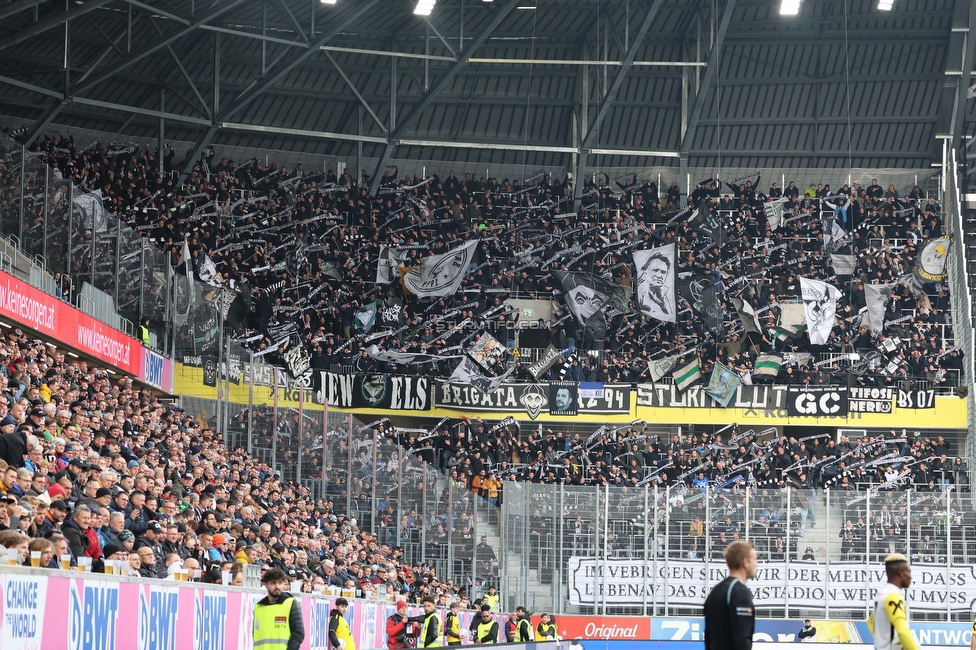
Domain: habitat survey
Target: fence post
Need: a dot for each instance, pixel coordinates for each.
(250, 403)
(301, 428)
(23, 184)
(325, 457)
(46, 215)
(274, 423)
(827, 551)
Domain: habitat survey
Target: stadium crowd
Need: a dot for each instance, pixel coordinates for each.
(93, 470)
(97, 470)
(303, 247)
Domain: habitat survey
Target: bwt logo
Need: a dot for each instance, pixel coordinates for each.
(318, 633)
(209, 621)
(153, 365)
(157, 619)
(92, 616)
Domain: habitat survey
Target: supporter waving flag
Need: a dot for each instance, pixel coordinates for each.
(440, 275)
(819, 307)
(655, 282)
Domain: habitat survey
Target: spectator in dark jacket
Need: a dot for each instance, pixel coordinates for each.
(75, 531)
(13, 447)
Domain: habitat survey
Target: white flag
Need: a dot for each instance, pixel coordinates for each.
(655, 282)
(92, 210)
(440, 275)
(819, 307)
(774, 212)
(876, 296)
(391, 258)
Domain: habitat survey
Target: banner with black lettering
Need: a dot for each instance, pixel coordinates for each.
(532, 399)
(365, 391)
(563, 398)
(916, 397)
(871, 399)
(817, 401)
(623, 581)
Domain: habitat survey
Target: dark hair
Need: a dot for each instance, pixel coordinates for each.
(274, 575)
(428, 599)
(341, 601)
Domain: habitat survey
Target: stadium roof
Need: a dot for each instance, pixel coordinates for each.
(565, 83)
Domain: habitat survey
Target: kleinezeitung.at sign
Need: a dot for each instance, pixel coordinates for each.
(33, 308)
(800, 584)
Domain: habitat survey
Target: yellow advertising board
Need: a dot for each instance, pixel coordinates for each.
(753, 406)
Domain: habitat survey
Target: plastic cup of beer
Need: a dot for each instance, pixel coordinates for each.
(13, 557)
(196, 574)
(35, 559)
(84, 564)
(296, 586)
(109, 567)
(225, 577)
(66, 562)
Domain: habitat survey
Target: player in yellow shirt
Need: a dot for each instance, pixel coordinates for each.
(889, 619)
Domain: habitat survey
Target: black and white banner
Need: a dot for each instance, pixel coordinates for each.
(916, 398)
(563, 398)
(819, 307)
(758, 398)
(873, 399)
(817, 401)
(655, 282)
(700, 294)
(532, 399)
(935, 588)
(876, 297)
(440, 275)
(364, 391)
(390, 260)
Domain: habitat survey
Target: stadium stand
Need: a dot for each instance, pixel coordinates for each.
(300, 250)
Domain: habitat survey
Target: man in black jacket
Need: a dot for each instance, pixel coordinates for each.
(730, 617)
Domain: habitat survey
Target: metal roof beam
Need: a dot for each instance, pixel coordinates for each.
(47, 92)
(708, 76)
(51, 21)
(794, 153)
(42, 122)
(282, 9)
(293, 59)
(618, 81)
(17, 7)
(440, 36)
(500, 14)
(962, 82)
(804, 121)
(356, 92)
(156, 11)
(955, 55)
(152, 48)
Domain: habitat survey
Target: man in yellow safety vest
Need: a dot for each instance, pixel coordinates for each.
(485, 627)
(430, 633)
(278, 621)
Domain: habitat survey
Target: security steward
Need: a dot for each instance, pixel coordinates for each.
(523, 627)
(452, 625)
(340, 636)
(278, 621)
(430, 632)
(485, 627)
(142, 332)
(546, 630)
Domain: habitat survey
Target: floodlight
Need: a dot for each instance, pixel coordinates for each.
(885, 5)
(328, 2)
(424, 7)
(789, 8)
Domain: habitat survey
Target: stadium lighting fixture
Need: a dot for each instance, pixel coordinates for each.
(424, 7)
(885, 5)
(328, 2)
(789, 8)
